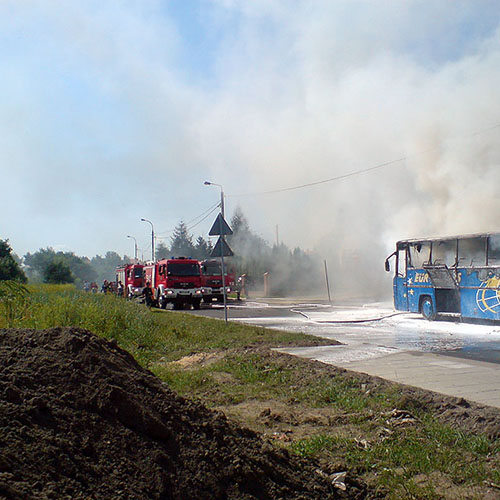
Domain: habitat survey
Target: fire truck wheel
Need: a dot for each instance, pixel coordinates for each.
(196, 304)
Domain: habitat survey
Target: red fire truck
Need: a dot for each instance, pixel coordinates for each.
(132, 278)
(177, 281)
(211, 279)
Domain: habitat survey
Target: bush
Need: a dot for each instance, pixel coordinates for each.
(58, 272)
(9, 268)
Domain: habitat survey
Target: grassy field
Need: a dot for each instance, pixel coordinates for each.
(150, 335)
(345, 423)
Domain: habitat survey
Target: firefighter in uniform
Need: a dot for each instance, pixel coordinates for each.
(148, 294)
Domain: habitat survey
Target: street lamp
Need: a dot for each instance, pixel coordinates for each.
(208, 183)
(135, 247)
(152, 239)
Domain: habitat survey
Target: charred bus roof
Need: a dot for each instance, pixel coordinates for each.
(416, 241)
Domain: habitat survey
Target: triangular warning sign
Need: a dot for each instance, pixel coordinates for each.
(221, 245)
(220, 227)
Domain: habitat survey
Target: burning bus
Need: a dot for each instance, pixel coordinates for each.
(457, 276)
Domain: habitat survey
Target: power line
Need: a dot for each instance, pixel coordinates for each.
(358, 172)
(210, 213)
(189, 228)
(324, 181)
(206, 213)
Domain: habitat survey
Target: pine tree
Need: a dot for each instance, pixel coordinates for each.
(239, 223)
(182, 241)
(162, 251)
(202, 251)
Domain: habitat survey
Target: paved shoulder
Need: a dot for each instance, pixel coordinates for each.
(472, 380)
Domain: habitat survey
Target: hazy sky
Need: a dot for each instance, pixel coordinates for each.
(117, 110)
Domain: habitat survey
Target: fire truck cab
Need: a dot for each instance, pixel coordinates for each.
(178, 281)
(132, 278)
(211, 278)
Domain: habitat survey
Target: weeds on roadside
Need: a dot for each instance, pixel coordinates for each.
(106, 315)
(14, 302)
(402, 455)
(149, 335)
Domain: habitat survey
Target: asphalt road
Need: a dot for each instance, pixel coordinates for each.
(375, 324)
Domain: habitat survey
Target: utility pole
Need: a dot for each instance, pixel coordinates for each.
(327, 283)
(152, 239)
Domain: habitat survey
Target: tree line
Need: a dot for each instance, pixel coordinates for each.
(287, 270)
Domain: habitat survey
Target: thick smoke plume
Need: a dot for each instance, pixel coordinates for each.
(285, 94)
(330, 103)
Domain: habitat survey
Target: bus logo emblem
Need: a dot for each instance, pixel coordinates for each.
(488, 295)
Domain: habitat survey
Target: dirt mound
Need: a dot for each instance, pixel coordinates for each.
(79, 418)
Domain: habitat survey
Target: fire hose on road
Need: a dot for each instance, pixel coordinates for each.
(347, 321)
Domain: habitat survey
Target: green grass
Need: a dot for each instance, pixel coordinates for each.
(150, 335)
(255, 376)
(312, 446)
(187, 382)
(250, 370)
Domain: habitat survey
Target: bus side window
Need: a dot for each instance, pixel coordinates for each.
(401, 262)
(494, 250)
(472, 252)
(444, 253)
(419, 254)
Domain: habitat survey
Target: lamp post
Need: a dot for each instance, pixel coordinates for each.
(152, 239)
(208, 183)
(135, 247)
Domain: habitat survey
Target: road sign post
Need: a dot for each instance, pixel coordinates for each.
(221, 228)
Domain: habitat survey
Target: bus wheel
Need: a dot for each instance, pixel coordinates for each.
(427, 309)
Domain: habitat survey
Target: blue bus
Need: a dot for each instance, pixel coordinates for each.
(457, 276)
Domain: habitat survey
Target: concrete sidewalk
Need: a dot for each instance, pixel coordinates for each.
(472, 380)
